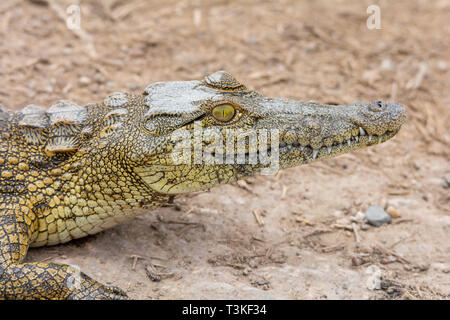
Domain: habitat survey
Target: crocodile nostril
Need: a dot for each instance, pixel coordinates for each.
(376, 106)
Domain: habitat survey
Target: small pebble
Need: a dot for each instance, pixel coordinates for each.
(394, 213)
(423, 266)
(442, 65)
(386, 64)
(84, 80)
(99, 78)
(246, 271)
(376, 216)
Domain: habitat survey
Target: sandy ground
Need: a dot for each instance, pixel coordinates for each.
(209, 245)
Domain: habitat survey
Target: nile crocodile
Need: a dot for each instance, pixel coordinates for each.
(72, 171)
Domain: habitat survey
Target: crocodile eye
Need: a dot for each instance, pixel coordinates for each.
(223, 112)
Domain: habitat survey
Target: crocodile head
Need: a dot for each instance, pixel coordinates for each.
(198, 134)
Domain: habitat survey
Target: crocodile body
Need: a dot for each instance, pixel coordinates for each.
(71, 171)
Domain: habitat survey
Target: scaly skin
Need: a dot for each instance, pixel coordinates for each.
(72, 171)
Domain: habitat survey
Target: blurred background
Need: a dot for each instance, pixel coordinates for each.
(335, 52)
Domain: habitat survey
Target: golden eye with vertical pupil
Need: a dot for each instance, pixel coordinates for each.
(223, 112)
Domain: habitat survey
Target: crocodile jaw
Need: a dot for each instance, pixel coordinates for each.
(311, 131)
(293, 155)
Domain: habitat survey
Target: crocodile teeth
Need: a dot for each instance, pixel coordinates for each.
(348, 142)
(370, 138)
(356, 138)
(315, 152)
(362, 132)
(340, 145)
(329, 150)
(379, 139)
(302, 148)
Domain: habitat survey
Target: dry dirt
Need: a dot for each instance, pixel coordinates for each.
(210, 245)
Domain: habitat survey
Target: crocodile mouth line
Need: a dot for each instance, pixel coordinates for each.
(355, 142)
